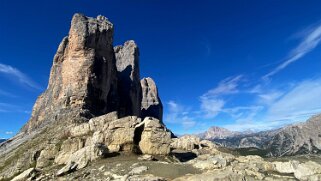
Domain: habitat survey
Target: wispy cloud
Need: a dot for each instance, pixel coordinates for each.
(269, 97)
(300, 102)
(211, 106)
(18, 75)
(226, 86)
(310, 40)
(212, 102)
(179, 114)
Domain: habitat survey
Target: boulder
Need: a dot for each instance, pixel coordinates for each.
(286, 167)
(82, 158)
(186, 142)
(121, 134)
(155, 138)
(47, 155)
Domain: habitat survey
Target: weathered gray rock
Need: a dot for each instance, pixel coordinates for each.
(129, 88)
(82, 158)
(146, 158)
(138, 170)
(83, 78)
(302, 171)
(47, 155)
(151, 103)
(186, 142)
(155, 138)
(31, 173)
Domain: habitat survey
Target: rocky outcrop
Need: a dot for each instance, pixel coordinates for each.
(83, 79)
(191, 142)
(93, 106)
(90, 77)
(151, 103)
(155, 138)
(129, 88)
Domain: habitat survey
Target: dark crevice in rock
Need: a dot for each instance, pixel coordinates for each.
(137, 137)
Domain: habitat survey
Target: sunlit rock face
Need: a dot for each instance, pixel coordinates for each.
(151, 103)
(89, 77)
(95, 104)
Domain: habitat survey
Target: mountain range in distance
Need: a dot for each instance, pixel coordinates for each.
(295, 139)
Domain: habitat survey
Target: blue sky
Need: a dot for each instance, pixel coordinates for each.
(237, 64)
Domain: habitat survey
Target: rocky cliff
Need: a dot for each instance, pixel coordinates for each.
(90, 77)
(95, 104)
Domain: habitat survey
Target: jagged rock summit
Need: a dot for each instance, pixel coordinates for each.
(90, 77)
(95, 104)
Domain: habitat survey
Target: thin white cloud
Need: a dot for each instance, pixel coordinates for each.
(256, 125)
(302, 101)
(212, 102)
(269, 97)
(179, 115)
(311, 40)
(19, 76)
(226, 86)
(243, 113)
(211, 107)
(296, 104)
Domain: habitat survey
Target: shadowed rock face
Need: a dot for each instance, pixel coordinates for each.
(83, 78)
(129, 89)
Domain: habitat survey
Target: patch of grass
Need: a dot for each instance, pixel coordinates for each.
(251, 151)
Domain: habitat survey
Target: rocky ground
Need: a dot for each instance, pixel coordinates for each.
(190, 159)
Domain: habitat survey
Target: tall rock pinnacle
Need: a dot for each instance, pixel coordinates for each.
(90, 77)
(94, 104)
(151, 103)
(127, 63)
(83, 78)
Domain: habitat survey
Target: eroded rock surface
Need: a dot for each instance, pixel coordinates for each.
(129, 88)
(93, 106)
(151, 103)
(83, 79)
